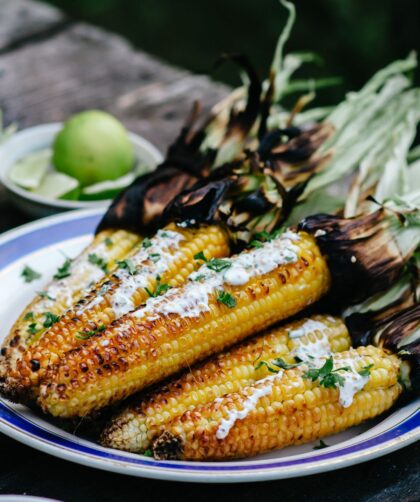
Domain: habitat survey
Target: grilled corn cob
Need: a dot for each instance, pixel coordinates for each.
(134, 428)
(71, 282)
(163, 261)
(286, 408)
(221, 303)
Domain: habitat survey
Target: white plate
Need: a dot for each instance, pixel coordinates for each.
(40, 244)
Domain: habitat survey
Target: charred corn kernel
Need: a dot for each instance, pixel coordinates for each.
(165, 260)
(134, 428)
(222, 303)
(72, 281)
(283, 409)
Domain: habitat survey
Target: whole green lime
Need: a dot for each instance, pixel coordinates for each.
(93, 146)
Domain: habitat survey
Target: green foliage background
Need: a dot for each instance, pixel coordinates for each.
(354, 37)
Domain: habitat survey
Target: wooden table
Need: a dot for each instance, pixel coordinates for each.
(51, 67)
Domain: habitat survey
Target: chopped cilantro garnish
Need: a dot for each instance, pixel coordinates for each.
(44, 294)
(321, 445)
(148, 453)
(29, 274)
(256, 244)
(85, 335)
(108, 242)
(200, 256)
(147, 243)
(50, 319)
(215, 264)
(64, 270)
(265, 363)
(28, 316)
(365, 372)
(98, 261)
(199, 277)
(161, 288)
(279, 362)
(33, 328)
(128, 265)
(154, 257)
(265, 236)
(227, 299)
(327, 376)
(218, 265)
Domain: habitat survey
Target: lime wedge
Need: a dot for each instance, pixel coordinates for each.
(58, 186)
(28, 171)
(106, 189)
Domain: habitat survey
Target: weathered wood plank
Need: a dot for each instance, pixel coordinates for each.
(20, 20)
(84, 67)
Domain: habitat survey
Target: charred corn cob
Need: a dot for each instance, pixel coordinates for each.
(290, 407)
(163, 261)
(134, 428)
(221, 303)
(70, 282)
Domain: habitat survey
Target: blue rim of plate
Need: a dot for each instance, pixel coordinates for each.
(16, 244)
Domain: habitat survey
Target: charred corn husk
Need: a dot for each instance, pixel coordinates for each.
(221, 303)
(71, 282)
(134, 428)
(398, 332)
(165, 260)
(290, 407)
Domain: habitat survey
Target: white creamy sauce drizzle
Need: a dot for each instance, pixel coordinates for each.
(193, 298)
(152, 261)
(353, 381)
(259, 390)
(314, 355)
(309, 326)
(82, 272)
(308, 351)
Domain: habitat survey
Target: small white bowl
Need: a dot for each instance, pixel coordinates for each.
(40, 137)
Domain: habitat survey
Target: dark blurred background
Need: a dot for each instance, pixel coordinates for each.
(354, 37)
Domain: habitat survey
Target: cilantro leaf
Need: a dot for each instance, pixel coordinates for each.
(108, 242)
(281, 363)
(154, 257)
(128, 265)
(147, 243)
(265, 363)
(327, 376)
(44, 294)
(33, 328)
(85, 335)
(365, 372)
(64, 270)
(161, 288)
(200, 256)
(98, 261)
(29, 274)
(50, 319)
(28, 316)
(264, 236)
(218, 264)
(227, 299)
